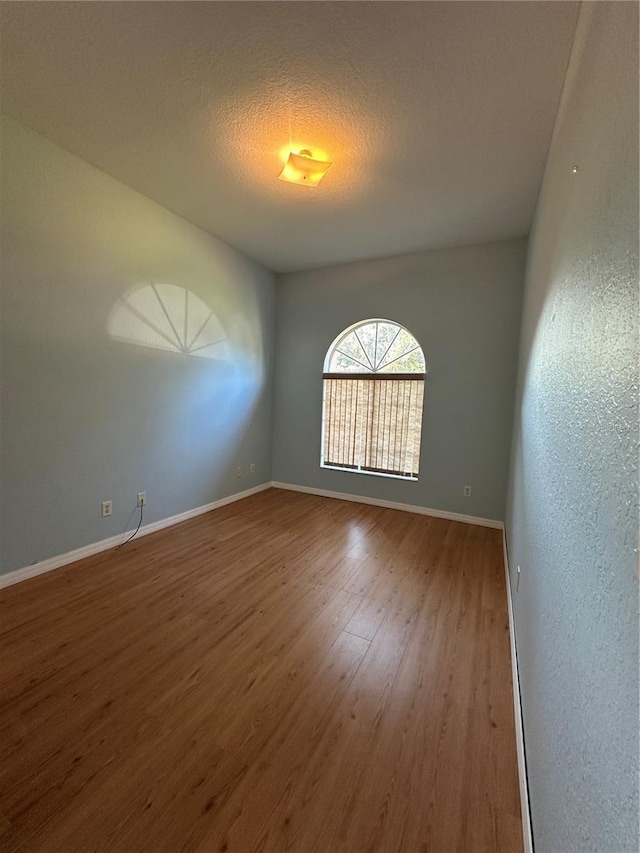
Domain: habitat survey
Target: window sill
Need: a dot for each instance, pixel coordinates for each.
(369, 473)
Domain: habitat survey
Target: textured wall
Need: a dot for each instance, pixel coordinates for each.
(463, 305)
(573, 507)
(87, 417)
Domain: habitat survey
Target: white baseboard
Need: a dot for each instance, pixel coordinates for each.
(517, 712)
(420, 510)
(43, 566)
(95, 547)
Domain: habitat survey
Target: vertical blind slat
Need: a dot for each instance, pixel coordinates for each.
(370, 424)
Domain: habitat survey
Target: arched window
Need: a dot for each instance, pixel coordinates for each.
(373, 391)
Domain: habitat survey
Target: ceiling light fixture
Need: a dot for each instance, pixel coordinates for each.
(302, 169)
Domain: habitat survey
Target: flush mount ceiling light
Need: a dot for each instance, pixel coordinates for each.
(302, 169)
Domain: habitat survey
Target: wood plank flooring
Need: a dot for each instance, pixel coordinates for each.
(287, 673)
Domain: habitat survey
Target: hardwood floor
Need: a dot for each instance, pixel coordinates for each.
(287, 673)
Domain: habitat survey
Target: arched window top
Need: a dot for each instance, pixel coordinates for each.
(375, 346)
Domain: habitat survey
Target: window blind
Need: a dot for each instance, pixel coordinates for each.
(373, 422)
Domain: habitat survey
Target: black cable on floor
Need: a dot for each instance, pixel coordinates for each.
(122, 544)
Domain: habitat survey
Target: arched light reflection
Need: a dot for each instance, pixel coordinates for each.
(168, 317)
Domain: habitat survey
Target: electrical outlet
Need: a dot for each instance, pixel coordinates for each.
(252, 468)
(239, 471)
(142, 499)
(467, 491)
(107, 509)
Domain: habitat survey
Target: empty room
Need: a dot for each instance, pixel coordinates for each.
(319, 427)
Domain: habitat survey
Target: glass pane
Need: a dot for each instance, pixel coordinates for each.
(412, 362)
(367, 337)
(377, 347)
(341, 363)
(351, 346)
(403, 345)
(387, 333)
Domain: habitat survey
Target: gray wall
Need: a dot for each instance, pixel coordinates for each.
(86, 417)
(463, 305)
(573, 507)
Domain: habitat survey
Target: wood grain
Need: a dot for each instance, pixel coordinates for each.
(287, 673)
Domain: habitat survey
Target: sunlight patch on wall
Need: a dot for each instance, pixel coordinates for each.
(168, 317)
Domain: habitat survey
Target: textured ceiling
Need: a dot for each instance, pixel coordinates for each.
(437, 115)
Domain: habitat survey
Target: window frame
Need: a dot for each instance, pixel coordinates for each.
(366, 375)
